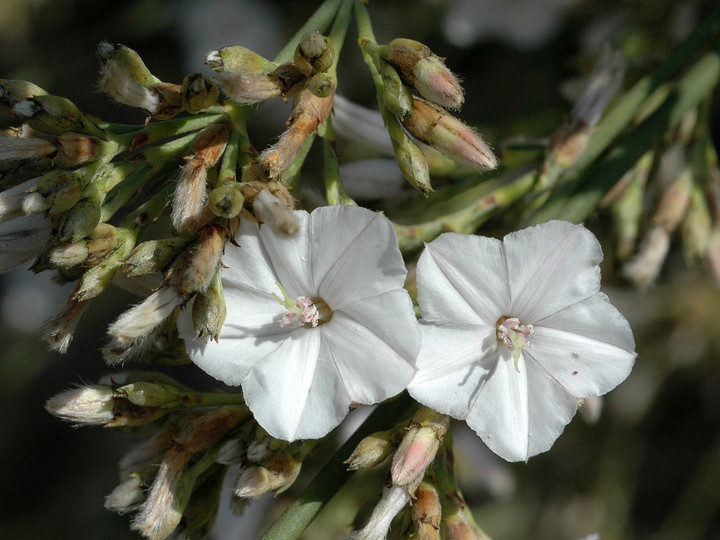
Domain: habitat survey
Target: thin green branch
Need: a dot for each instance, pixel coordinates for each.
(694, 87)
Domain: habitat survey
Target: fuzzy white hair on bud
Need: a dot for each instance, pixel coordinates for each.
(130, 333)
(116, 84)
(272, 211)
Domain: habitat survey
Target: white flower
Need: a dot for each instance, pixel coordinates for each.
(299, 379)
(515, 332)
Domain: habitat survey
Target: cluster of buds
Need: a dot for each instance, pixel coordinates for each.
(681, 186)
(414, 90)
(67, 176)
(172, 480)
(415, 452)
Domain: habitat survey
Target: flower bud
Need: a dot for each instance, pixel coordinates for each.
(314, 54)
(411, 160)
(103, 240)
(244, 75)
(98, 277)
(397, 97)
(226, 200)
(148, 394)
(321, 85)
(13, 92)
(127, 496)
(426, 512)
(272, 211)
(456, 526)
(130, 333)
(425, 72)
(85, 405)
(372, 450)
(17, 148)
(58, 331)
(80, 220)
(199, 92)
(239, 59)
(418, 447)
(194, 270)
(277, 473)
(12, 201)
(447, 134)
(627, 210)
(188, 202)
(66, 256)
(393, 500)
(125, 78)
(60, 190)
(163, 508)
(50, 114)
(309, 112)
(208, 311)
(75, 149)
(153, 256)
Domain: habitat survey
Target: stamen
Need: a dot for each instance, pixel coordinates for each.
(514, 335)
(303, 310)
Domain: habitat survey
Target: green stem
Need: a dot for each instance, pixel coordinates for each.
(319, 21)
(229, 163)
(155, 131)
(192, 399)
(334, 474)
(464, 212)
(695, 86)
(339, 30)
(334, 189)
(625, 110)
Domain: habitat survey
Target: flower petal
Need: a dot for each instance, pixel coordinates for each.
(355, 261)
(374, 362)
(251, 332)
(519, 413)
(295, 393)
(453, 362)
(248, 263)
(551, 266)
(290, 257)
(462, 279)
(588, 348)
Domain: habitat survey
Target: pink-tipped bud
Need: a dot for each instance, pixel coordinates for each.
(424, 71)
(418, 448)
(448, 135)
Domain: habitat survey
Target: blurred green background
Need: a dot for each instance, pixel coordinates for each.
(649, 468)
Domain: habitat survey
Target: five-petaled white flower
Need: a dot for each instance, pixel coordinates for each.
(315, 321)
(514, 332)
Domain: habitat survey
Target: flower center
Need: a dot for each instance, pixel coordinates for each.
(514, 334)
(303, 311)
